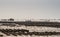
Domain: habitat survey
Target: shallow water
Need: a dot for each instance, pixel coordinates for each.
(31, 29)
(33, 36)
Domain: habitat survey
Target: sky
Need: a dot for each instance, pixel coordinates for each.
(30, 9)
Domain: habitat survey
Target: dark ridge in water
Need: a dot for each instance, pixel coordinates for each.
(16, 32)
(29, 23)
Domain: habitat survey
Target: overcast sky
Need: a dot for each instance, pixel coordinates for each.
(33, 9)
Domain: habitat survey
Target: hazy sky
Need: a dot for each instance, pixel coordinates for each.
(34, 9)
